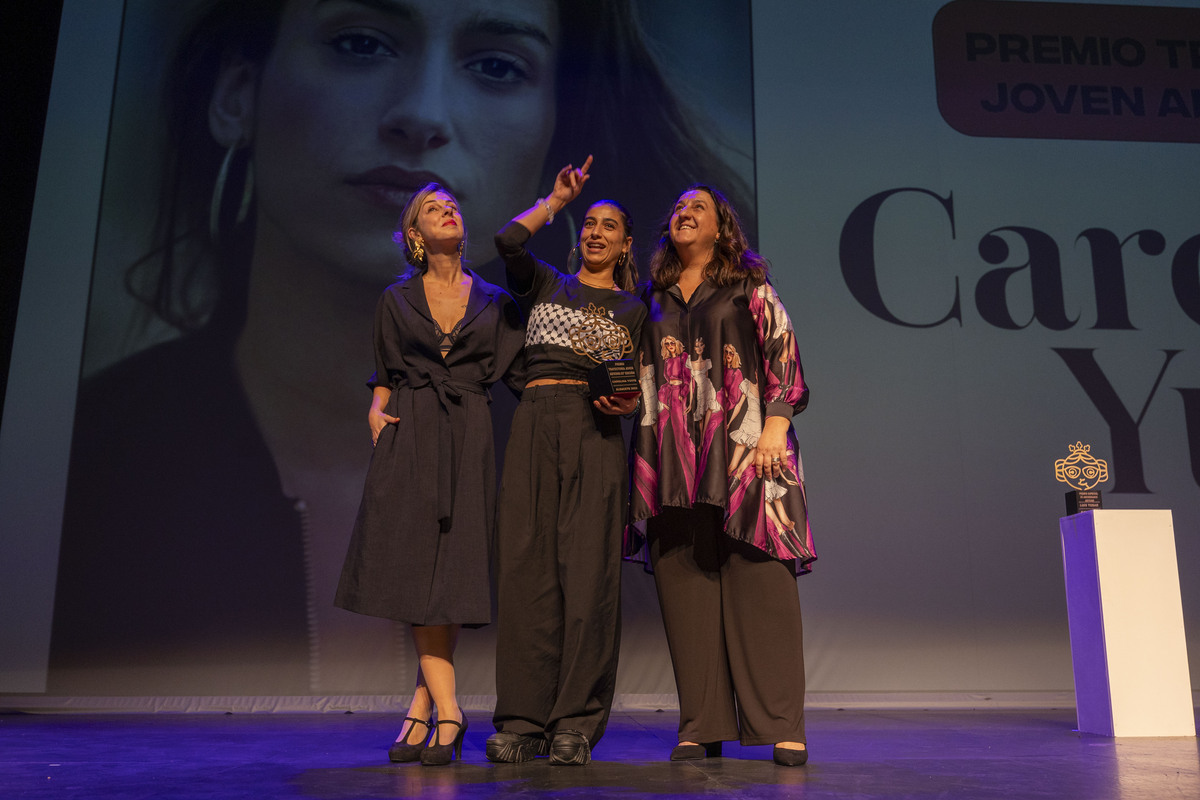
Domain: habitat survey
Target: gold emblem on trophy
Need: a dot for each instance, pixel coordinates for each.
(1082, 471)
(601, 339)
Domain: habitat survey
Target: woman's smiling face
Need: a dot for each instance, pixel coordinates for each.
(602, 237)
(362, 102)
(694, 220)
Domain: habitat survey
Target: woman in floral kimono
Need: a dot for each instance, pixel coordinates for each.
(722, 493)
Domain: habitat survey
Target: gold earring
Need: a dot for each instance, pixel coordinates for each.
(418, 252)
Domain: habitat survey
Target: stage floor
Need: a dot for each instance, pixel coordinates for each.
(994, 754)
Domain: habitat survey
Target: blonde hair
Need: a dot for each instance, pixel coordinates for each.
(735, 359)
(408, 219)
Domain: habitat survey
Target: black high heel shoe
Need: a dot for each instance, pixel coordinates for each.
(786, 757)
(401, 751)
(437, 754)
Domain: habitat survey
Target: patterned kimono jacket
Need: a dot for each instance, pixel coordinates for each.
(712, 369)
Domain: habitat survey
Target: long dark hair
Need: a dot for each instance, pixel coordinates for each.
(732, 259)
(190, 279)
(645, 141)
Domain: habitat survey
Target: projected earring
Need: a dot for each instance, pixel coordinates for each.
(218, 197)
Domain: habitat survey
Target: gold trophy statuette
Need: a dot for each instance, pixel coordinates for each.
(1082, 471)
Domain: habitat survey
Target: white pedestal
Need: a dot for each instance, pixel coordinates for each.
(1126, 618)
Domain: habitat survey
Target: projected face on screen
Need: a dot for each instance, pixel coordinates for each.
(361, 103)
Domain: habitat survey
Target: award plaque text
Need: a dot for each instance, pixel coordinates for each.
(1084, 500)
(614, 378)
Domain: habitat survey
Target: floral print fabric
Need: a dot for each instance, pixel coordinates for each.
(711, 370)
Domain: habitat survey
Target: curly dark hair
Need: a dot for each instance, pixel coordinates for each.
(732, 259)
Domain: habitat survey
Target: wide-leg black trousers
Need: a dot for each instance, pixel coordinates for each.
(563, 501)
(732, 618)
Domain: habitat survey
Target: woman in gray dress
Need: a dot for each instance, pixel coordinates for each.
(420, 549)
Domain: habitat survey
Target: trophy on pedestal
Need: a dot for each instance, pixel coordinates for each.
(1082, 472)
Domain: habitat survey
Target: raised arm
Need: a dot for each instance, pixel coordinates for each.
(567, 186)
(510, 240)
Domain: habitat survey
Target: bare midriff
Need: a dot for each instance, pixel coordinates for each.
(553, 381)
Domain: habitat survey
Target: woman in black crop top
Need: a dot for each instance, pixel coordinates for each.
(564, 491)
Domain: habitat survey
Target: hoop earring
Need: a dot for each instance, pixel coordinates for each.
(218, 199)
(621, 261)
(572, 228)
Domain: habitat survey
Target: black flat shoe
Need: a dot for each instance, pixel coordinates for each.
(789, 758)
(691, 752)
(401, 751)
(437, 754)
(570, 748)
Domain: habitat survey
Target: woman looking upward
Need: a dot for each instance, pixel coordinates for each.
(420, 550)
(563, 497)
(722, 493)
